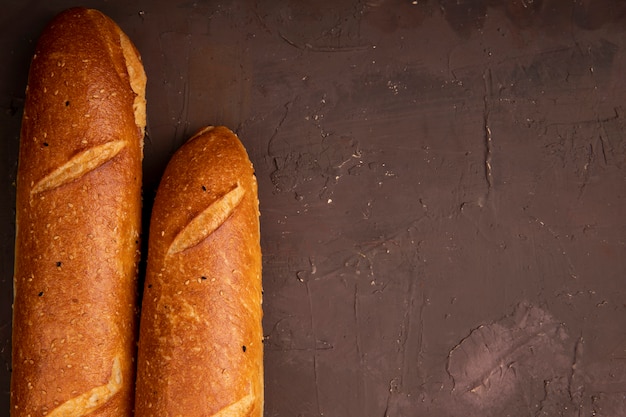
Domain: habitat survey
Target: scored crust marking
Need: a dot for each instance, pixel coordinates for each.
(239, 408)
(93, 399)
(79, 165)
(208, 221)
(137, 79)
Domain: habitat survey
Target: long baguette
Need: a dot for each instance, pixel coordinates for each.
(200, 343)
(78, 217)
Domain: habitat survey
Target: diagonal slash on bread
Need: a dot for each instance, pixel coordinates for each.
(207, 221)
(239, 408)
(93, 399)
(79, 165)
(137, 80)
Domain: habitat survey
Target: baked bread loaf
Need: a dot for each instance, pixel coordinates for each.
(200, 342)
(78, 215)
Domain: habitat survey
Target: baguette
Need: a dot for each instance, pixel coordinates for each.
(200, 342)
(78, 217)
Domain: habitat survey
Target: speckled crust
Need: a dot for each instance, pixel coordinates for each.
(78, 217)
(200, 343)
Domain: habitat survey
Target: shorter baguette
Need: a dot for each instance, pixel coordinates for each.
(200, 344)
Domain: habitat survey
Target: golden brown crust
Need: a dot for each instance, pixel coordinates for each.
(78, 218)
(200, 344)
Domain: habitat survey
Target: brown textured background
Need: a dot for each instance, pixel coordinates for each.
(442, 186)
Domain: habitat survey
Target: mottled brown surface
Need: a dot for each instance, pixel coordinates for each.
(201, 341)
(429, 174)
(78, 223)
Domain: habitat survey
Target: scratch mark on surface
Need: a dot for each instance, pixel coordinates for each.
(407, 327)
(184, 111)
(356, 321)
(605, 144)
(544, 400)
(420, 329)
(315, 374)
(275, 161)
(178, 107)
(487, 132)
(315, 48)
(289, 41)
(603, 148)
(287, 107)
(576, 383)
(388, 402)
(586, 171)
(359, 349)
